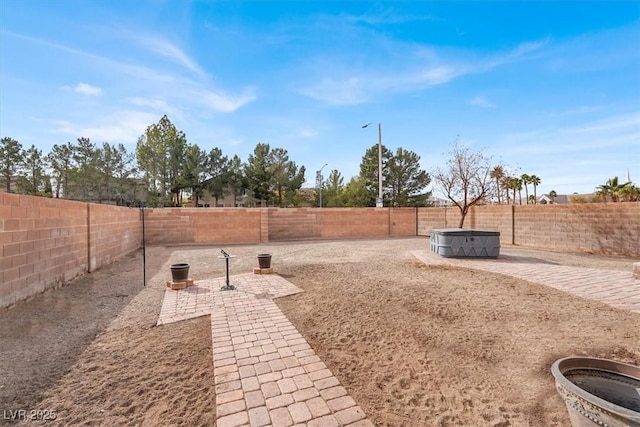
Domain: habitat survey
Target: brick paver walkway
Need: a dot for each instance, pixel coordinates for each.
(616, 288)
(266, 374)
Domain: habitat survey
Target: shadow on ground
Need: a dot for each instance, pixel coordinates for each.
(43, 337)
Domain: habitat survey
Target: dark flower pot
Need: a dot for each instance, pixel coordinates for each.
(264, 260)
(180, 272)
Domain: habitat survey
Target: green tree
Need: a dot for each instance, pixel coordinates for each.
(218, 171)
(467, 179)
(194, 171)
(613, 189)
(553, 195)
(505, 184)
(48, 190)
(369, 172)
(405, 180)
(61, 161)
(160, 153)
(515, 184)
(258, 173)
(535, 181)
(86, 176)
(286, 177)
(122, 170)
(236, 178)
(525, 180)
(356, 193)
(177, 149)
(32, 181)
(497, 173)
(107, 158)
(333, 190)
(11, 155)
(629, 193)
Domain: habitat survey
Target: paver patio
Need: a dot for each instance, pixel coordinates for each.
(266, 374)
(616, 288)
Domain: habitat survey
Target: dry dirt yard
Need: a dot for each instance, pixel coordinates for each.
(414, 345)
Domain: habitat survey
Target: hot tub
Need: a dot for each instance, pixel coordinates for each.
(460, 243)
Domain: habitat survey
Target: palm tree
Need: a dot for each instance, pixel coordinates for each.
(525, 180)
(515, 184)
(505, 182)
(497, 173)
(612, 188)
(518, 183)
(553, 195)
(535, 181)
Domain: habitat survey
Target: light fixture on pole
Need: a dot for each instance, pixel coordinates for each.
(319, 182)
(379, 202)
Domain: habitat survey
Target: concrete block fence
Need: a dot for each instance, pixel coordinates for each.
(603, 228)
(262, 225)
(48, 242)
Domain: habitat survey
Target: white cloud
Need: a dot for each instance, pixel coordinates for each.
(584, 109)
(410, 68)
(156, 104)
(613, 132)
(307, 133)
(338, 91)
(84, 88)
(174, 87)
(225, 103)
(386, 17)
(167, 49)
(481, 101)
(119, 127)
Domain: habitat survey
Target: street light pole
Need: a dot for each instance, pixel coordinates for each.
(319, 182)
(379, 202)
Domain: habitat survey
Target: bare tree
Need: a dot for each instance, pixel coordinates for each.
(467, 179)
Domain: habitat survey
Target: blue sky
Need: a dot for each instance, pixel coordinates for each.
(547, 88)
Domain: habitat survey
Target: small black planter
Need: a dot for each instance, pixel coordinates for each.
(180, 272)
(264, 260)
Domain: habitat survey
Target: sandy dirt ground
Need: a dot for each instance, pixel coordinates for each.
(414, 345)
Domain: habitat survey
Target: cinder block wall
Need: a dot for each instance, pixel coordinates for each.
(340, 223)
(611, 228)
(197, 225)
(495, 218)
(235, 225)
(608, 228)
(114, 232)
(403, 222)
(430, 218)
(48, 242)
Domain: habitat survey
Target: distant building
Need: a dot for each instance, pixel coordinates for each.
(437, 203)
(563, 199)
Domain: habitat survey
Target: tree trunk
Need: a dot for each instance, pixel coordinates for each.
(463, 215)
